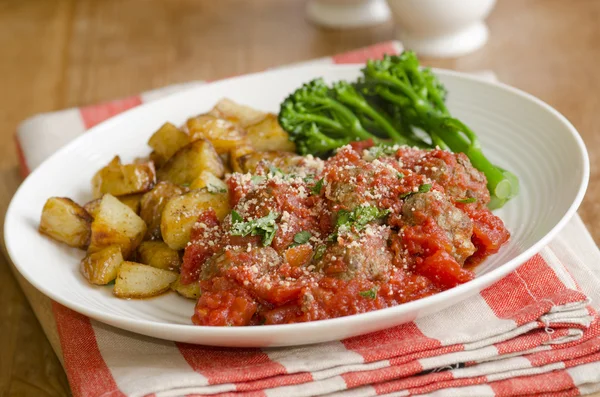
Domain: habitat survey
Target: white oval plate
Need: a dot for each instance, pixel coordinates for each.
(517, 131)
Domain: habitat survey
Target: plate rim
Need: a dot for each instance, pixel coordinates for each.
(133, 324)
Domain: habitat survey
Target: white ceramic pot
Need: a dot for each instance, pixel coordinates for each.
(343, 14)
(441, 28)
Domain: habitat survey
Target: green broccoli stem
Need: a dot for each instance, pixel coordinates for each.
(449, 130)
(353, 122)
(384, 124)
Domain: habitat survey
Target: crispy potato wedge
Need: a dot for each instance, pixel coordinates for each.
(92, 207)
(190, 161)
(101, 267)
(190, 291)
(209, 181)
(66, 221)
(236, 155)
(267, 134)
(158, 254)
(167, 141)
(153, 203)
(283, 160)
(116, 224)
(181, 212)
(119, 180)
(135, 280)
(133, 201)
(157, 159)
(236, 113)
(223, 134)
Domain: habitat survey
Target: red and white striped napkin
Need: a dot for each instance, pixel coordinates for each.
(535, 332)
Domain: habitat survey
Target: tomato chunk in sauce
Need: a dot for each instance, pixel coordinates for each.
(361, 231)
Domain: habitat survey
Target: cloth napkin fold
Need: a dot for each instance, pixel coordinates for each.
(534, 332)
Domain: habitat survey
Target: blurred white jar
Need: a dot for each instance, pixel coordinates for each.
(342, 14)
(441, 28)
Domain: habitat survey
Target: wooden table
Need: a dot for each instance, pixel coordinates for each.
(62, 53)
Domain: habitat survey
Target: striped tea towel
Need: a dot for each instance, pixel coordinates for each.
(535, 332)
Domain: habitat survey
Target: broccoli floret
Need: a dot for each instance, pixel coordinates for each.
(320, 119)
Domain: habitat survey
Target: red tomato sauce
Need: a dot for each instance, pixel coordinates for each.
(361, 231)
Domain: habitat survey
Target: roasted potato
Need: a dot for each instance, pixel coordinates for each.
(190, 291)
(157, 159)
(223, 134)
(181, 212)
(190, 161)
(133, 201)
(209, 181)
(236, 113)
(66, 221)
(101, 267)
(152, 205)
(119, 180)
(282, 160)
(166, 142)
(267, 134)
(116, 224)
(237, 154)
(135, 280)
(158, 254)
(92, 207)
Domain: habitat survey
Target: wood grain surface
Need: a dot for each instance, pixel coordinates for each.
(57, 54)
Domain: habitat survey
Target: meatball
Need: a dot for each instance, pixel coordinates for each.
(365, 255)
(453, 171)
(457, 226)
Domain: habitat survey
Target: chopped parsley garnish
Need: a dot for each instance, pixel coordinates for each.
(256, 179)
(400, 175)
(264, 227)
(319, 252)
(370, 293)
(424, 188)
(358, 218)
(378, 151)
(316, 189)
(467, 200)
(185, 184)
(215, 189)
(301, 238)
(235, 217)
(275, 170)
(309, 178)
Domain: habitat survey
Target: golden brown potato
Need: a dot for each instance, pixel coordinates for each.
(101, 267)
(66, 221)
(133, 201)
(223, 134)
(116, 224)
(282, 160)
(237, 154)
(119, 180)
(190, 291)
(152, 205)
(181, 212)
(190, 161)
(167, 141)
(157, 160)
(142, 281)
(92, 207)
(236, 113)
(267, 134)
(209, 181)
(158, 254)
